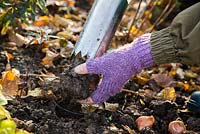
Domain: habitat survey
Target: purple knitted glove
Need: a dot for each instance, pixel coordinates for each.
(118, 66)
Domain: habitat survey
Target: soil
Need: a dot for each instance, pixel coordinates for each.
(59, 113)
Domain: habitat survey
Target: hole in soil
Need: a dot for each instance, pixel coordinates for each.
(69, 109)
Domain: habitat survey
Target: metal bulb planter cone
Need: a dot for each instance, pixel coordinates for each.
(100, 26)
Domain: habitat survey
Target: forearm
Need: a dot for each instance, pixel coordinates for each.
(180, 42)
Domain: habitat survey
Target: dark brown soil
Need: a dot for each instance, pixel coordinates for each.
(61, 114)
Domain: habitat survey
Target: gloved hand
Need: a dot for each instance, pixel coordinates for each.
(117, 67)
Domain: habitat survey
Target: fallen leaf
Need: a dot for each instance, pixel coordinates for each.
(10, 80)
(70, 3)
(18, 39)
(4, 113)
(66, 51)
(185, 86)
(89, 108)
(141, 80)
(9, 56)
(42, 21)
(180, 73)
(48, 76)
(48, 59)
(190, 74)
(37, 92)
(3, 100)
(65, 34)
(167, 93)
(61, 21)
(163, 80)
(92, 108)
(21, 131)
(144, 121)
(112, 107)
(114, 128)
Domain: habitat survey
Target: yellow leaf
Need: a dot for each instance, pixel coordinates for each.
(133, 29)
(21, 131)
(141, 80)
(190, 74)
(4, 113)
(4, 30)
(186, 86)
(172, 72)
(65, 34)
(42, 21)
(10, 81)
(167, 94)
(89, 108)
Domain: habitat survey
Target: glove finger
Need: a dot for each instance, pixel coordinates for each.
(86, 101)
(106, 89)
(81, 69)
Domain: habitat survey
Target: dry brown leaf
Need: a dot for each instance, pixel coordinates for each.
(9, 56)
(10, 80)
(35, 93)
(65, 34)
(114, 128)
(111, 106)
(61, 21)
(38, 92)
(163, 80)
(167, 94)
(16, 38)
(42, 21)
(66, 51)
(48, 59)
(92, 108)
(48, 76)
(89, 108)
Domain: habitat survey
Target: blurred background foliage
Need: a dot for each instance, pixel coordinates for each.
(14, 11)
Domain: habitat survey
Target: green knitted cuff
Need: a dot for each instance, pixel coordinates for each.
(163, 47)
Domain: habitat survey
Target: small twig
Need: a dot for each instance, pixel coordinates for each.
(39, 75)
(160, 17)
(146, 17)
(134, 19)
(125, 102)
(167, 14)
(129, 91)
